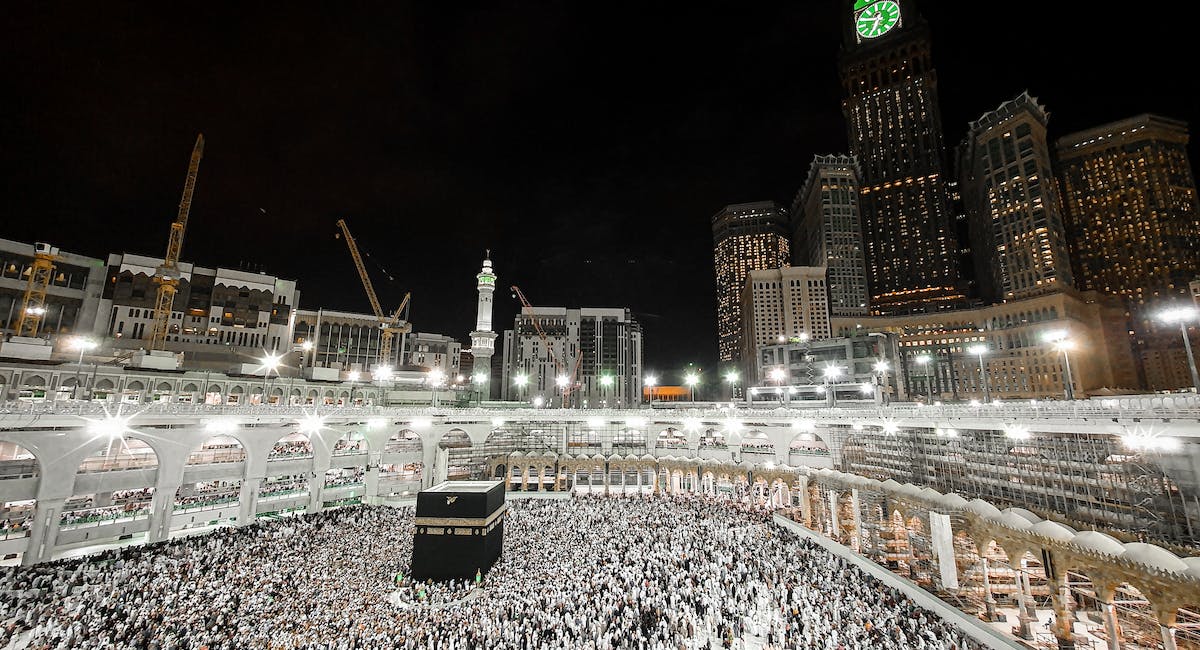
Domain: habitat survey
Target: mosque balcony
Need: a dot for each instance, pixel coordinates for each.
(127, 479)
(215, 471)
(19, 489)
(290, 465)
(103, 529)
(395, 458)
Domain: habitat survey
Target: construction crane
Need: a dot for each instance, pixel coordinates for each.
(167, 276)
(33, 304)
(559, 366)
(392, 325)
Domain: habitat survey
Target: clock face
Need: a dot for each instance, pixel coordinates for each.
(877, 19)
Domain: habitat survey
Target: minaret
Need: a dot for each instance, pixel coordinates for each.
(483, 339)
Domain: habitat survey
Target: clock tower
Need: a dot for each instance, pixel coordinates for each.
(894, 129)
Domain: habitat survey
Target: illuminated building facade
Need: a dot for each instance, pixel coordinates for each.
(746, 237)
(828, 231)
(1017, 362)
(782, 304)
(1020, 243)
(895, 133)
(597, 350)
(1130, 198)
(72, 296)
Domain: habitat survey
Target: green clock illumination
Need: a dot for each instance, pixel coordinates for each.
(878, 19)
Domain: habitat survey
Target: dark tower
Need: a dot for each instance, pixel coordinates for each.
(895, 132)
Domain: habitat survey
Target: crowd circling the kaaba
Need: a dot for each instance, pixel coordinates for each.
(589, 572)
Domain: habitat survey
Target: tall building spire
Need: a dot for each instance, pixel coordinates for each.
(483, 339)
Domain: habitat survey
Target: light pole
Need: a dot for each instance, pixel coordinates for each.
(980, 350)
(831, 375)
(84, 344)
(731, 378)
(434, 378)
(650, 381)
(1059, 339)
(521, 381)
(778, 375)
(353, 376)
(270, 362)
(561, 382)
(606, 382)
(923, 361)
(691, 379)
(1184, 315)
(305, 348)
(881, 368)
(480, 379)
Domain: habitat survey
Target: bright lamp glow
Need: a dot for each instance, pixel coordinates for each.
(521, 380)
(1016, 432)
(307, 346)
(803, 425)
(923, 359)
(561, 381)
(881, 366)
(311, 424)
(112, 426)
(383, 373)
(606, 380)
(867, 388)
(832, 371)
(978, 350)
(270, 362)
(732, 425)
(691, 379)
(1149, 442)
(376, 423)
(353, 376)
(731, 376)
(538, 401)
(1178, 314)
(974, 403)
(82, 343)
(890, 428)
(650, 381)
(777, 374)
(1054, 336)
(691, 424)
(435, 377)
(36, 311)
(635, 423)
(479, 378)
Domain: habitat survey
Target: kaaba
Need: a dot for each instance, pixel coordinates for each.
(459, 529)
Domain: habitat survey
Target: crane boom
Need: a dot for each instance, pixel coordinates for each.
(559, 366)
(167, 275)
(362, 270)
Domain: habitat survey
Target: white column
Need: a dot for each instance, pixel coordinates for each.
(162, 506)
(316, 485)
(854, 503)
(44, 532)
(248, 500)
(1168, 637)
(1110, 625)
(989, 602)
(371, 483)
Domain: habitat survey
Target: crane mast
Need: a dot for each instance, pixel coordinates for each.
(390, 326)
(167, 276)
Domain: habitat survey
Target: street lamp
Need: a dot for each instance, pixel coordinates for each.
(1184, 315)
(270, 363)
(731, 378)
(691, 379)
(831, 375)
(521, 381)
(83, 344)
(778, 375)
(980, 350)
(435, 378)
(1059, 339)
(923, 361)
(606, 381)
(480, 378)
(561, 382)
(650, 382)
(881, 368)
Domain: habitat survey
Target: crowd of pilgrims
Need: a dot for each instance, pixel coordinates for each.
(642, 572)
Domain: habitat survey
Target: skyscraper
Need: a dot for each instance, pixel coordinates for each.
(828, 232)
(895, 133)
(746, 237)
(1016, 226)
(1130, 199)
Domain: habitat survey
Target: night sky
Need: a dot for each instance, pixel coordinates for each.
(586, 144)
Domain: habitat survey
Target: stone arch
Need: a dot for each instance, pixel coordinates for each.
(218, 449)
(454, 439)
(36, 381)
(755, 440)
(163, 386)
(713, 439)
(190, 387)
(119, 454)
(135, 385)
(803, 445)
(17, 461)
(104, 384)
(672, 438)
(404, 441)
(351, 443)
(292, 445)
